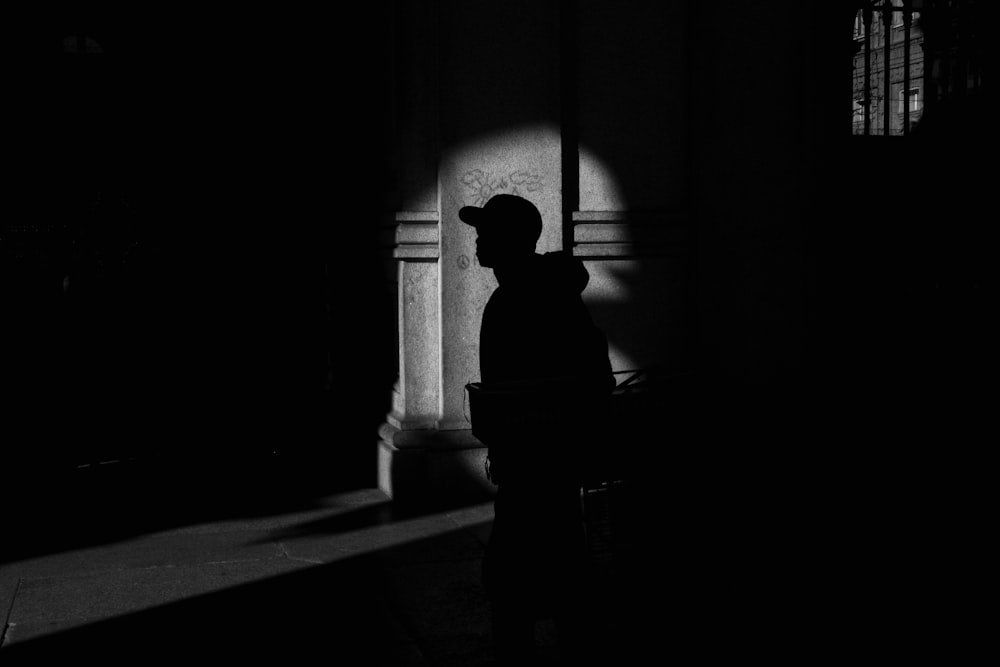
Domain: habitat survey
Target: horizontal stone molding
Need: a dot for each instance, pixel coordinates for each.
(399, 421)
(428, 438)
(625, 234)
(417, 253)
(416, 235)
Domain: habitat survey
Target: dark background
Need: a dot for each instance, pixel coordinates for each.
(210, 185)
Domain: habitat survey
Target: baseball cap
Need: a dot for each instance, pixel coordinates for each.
(516, 214)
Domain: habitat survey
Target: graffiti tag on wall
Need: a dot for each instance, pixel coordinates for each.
(482, 185)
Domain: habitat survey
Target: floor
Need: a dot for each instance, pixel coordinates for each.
(247, 563)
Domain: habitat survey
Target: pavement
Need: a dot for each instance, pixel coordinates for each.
(135, 561)
(266, 561)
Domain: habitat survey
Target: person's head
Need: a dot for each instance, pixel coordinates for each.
(507, 226)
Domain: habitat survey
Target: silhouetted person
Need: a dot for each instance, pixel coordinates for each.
(540, 351)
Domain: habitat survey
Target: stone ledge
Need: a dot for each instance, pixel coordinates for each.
(401, 423)
(428, 438)
(417, 253)
(418, 233)
(625, 234)
(415, 235)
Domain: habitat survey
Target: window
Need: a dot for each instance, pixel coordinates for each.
(914, 100)
(859, 26)
(859, 111)
(897, 17)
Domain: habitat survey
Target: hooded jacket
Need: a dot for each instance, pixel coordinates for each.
(536, 327)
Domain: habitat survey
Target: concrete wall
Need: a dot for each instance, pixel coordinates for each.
(250, 148)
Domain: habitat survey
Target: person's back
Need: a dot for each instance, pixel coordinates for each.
(539, 349)
(536, 327)
(537, 340)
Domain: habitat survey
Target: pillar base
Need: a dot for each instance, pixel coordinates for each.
(432, 466)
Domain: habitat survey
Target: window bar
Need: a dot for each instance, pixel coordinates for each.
(907, 18)
(964, 56)
(944, 59)
(867, 14)
(887, 48)
(570, 116)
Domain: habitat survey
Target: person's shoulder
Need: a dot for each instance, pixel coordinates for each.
(561, 270)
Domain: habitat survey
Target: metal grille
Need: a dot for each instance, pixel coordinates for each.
(911, 55)
(888, 67)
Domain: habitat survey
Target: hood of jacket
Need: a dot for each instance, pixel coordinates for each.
(563, 271)
(554, 272)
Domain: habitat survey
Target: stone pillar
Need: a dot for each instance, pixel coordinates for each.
(422, 455)
(483, 88)
(412, 423)
(416, 401)
(526, 162)
(414, 236)
(500, 133)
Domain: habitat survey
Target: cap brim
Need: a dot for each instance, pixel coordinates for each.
(471, 215)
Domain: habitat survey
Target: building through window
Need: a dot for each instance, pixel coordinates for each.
(912, 56)
(888, 67)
